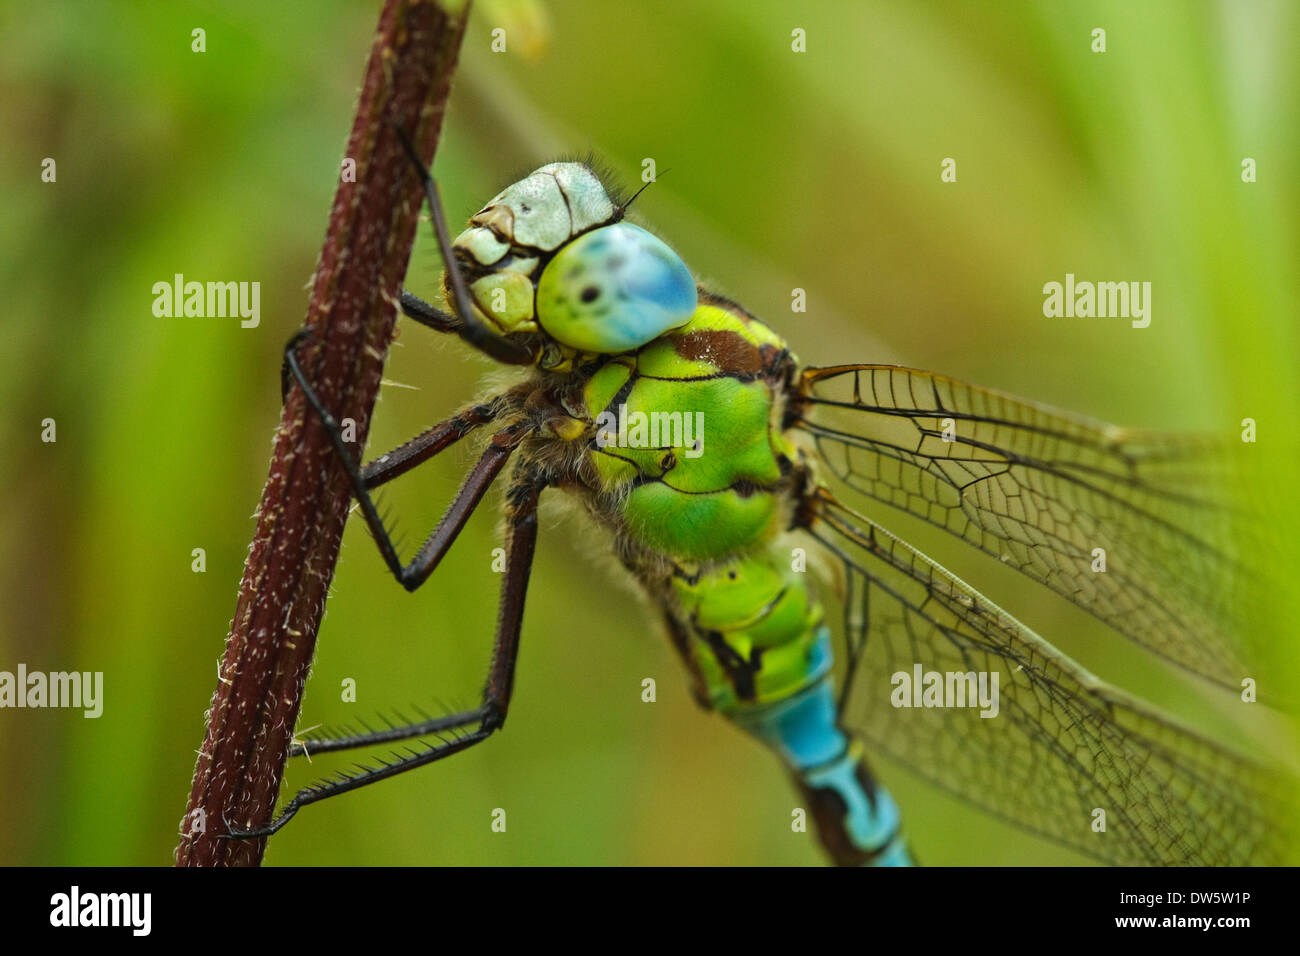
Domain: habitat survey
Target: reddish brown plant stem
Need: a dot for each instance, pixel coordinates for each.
(305, 501)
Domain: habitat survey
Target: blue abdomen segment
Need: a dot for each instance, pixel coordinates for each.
(857, 818)
(865, 810)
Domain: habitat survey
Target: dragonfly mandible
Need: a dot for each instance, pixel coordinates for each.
(691, 433)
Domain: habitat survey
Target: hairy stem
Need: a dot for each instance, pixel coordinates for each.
(305, 502)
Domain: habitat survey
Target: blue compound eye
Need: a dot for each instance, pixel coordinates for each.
(614, 289)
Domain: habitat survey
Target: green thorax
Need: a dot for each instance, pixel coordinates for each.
(694, 458)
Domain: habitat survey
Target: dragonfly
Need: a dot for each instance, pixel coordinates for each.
(717, 464)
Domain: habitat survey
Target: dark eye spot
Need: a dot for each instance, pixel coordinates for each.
(590, 294)
(731, 575)
(524, 207)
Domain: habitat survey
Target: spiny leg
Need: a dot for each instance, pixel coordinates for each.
(433, 725)
(470, 327)
(501, 678)
(384, 469)
(429, 443)
(476, 484)
(416, 308)
(521, 518)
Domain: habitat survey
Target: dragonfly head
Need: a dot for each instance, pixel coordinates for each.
(551, 256)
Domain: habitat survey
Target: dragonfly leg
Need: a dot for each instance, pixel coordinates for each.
(424, 728)
(476, 483)
(427, 444)
(469, 326)
(521, 524)
(413, 307)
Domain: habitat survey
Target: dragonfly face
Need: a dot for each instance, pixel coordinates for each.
(550, 257)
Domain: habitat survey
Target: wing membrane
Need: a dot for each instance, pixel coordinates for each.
(1062, 745)
(1047, 493)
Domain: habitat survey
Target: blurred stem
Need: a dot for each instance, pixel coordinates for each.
(305, 501)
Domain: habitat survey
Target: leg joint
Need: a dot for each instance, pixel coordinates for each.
(494, 716)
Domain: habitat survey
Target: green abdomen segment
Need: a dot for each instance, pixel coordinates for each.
(764, 651)
(759, 635)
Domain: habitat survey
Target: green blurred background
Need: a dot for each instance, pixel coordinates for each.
(817, 170)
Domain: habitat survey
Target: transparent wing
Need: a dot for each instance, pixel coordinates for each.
(1062, 745)
(1049, 493)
